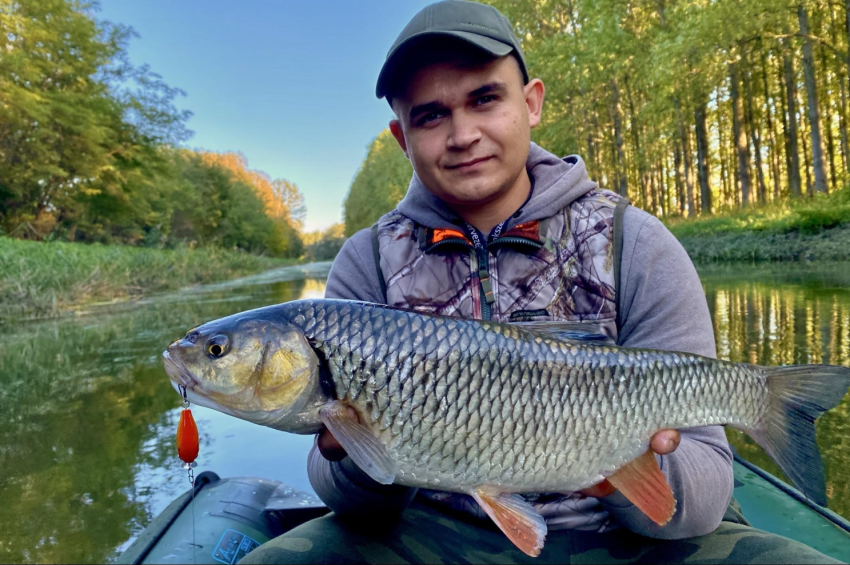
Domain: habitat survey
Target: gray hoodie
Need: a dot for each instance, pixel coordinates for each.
(662, 306)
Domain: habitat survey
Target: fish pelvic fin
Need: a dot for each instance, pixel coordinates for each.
(797, 396)
(515, 517)
(359, 443)
(643, 483)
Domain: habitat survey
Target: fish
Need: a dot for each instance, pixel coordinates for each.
(494, 410)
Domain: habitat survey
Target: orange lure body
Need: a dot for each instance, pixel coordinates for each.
(187, 437)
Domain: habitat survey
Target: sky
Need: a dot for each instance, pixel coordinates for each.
(288, 83)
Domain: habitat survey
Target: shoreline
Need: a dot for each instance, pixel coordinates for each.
(765, 246)
(45, 280)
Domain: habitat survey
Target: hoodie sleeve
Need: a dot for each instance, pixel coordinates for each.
(341, 485)
(354, 275)
(663, 306)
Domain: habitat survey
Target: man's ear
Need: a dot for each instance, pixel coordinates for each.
(398, 134)
(534, 91)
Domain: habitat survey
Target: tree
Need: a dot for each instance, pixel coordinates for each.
(379, 185)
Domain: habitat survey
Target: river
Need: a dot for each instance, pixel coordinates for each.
(87, 416)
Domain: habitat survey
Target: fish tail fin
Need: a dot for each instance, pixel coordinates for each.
(797, 396)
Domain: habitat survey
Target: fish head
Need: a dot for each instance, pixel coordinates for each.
(256, 369)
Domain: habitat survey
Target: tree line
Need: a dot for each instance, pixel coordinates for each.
(89, 147)
(695, 106)
(686, 106)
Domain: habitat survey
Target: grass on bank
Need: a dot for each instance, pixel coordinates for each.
(807, 229)
(43, 279)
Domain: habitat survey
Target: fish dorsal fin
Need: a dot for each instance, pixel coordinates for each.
(643, 483)
(566, 331)
(359, 442)
(515, 517)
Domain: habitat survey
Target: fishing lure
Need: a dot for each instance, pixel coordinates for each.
(188, 444)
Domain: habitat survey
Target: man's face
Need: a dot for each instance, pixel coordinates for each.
(466, 128)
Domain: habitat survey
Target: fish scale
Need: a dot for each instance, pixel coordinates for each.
(490, 409)
(513, 373)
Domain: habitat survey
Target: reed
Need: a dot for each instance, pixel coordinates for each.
(45, 279)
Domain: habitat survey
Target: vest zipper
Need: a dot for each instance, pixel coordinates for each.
(485, 283)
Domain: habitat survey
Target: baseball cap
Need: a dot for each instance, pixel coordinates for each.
(477, 24)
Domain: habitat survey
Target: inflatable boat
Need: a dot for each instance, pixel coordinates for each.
(221, 520)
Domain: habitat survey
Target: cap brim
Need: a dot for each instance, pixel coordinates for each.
(492, 46)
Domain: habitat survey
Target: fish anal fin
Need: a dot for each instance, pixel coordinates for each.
(643, 483)
(515, 517)
(359, 442)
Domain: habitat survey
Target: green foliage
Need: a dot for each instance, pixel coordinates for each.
(817, 229)
(805, 216)
(43, 279)
(379, 186)
(324, 245)
(86, 147)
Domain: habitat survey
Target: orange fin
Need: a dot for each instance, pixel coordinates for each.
(515, 517)
(643, 483)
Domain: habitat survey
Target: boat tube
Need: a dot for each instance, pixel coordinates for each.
(230, 517)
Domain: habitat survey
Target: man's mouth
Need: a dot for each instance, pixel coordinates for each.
(469, 164)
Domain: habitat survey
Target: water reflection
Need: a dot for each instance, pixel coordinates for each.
(87, 416)
(781, 316)
(87, 422)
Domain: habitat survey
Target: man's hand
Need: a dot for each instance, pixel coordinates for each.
(663, 442)
(329, 447)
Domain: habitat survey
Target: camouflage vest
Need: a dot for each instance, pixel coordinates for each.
(560, 268)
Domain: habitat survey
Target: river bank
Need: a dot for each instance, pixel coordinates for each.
(42, 280)
(816, 229)
(761, 246)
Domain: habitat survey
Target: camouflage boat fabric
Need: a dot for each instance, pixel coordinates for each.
(425, 535)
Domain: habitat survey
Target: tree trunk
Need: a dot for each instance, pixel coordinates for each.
(721, 153)
(622, 183)
(702, 156)
(640, 157)
(792, 146)
(740, 134)
(827, 118)
(753, 128)
(677, 161)
(842, 100)
(812, 97)
(771, 131)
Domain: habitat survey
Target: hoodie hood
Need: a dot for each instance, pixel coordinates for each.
(556, 183)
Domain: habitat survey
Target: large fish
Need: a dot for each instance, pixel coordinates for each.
(493, 409)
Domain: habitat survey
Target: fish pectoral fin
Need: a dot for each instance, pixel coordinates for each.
(643, 483)
(515, 517)
(358, 441)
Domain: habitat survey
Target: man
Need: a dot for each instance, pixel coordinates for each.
(494, 227)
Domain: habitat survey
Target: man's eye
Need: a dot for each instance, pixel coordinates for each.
(484, 100)
(430, 117)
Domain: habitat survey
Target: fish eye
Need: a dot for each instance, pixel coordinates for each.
(218, 345)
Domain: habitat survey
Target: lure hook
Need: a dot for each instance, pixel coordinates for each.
(182, 389)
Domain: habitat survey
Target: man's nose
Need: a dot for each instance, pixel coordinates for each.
(465, 131)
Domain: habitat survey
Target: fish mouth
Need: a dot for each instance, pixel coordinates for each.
(177, 372)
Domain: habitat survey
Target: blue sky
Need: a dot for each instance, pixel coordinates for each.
(291, 84)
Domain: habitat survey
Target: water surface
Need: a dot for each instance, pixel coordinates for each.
(87, 416)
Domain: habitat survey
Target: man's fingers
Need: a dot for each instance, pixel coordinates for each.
(328, 446)
(599, 490)
(665, 442)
